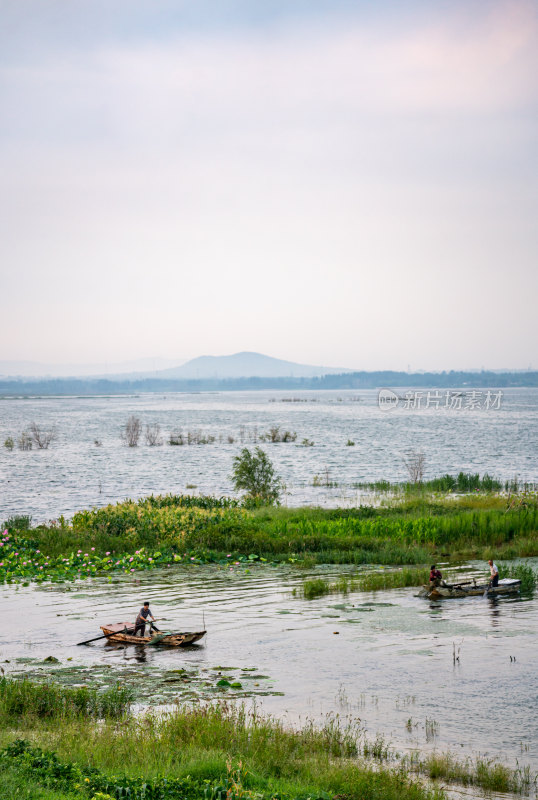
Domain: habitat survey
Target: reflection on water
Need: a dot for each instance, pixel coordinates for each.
(388, 658)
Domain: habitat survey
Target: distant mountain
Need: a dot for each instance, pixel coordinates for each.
(245, 365)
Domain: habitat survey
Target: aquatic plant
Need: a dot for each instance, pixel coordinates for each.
(131, 431)
(489, 774)
(463, 483)
(177, 528)
(523, 572)
(315, 588)
(393, 579)
(370, 582)
(40, 437)
(22, 560)
(21, 698)
(274, 435)
(24, 442)
(153, 434)
(324, 479)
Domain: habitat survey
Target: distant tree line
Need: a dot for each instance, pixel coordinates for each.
(348, 380)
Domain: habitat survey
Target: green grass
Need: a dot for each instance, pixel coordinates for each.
(201, 751)
(17, 783)
(220, 751)
(462, 483)
(162, 530)
(394, 579)
(526, 574)
(22, 697)
(490, 775)
(386, 579)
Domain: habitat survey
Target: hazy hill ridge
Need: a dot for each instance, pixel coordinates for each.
(245, 365)
(239, 365)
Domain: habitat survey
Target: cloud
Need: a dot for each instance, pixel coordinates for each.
(294, 170)
(462, 62)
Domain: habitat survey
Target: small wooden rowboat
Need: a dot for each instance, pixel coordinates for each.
(470, 588)
(116, 632)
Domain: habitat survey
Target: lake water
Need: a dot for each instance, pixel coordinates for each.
(384, 657)
(76, 473)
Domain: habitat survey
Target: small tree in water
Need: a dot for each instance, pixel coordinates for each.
(255, 474)
(131, 431)
(415, 461)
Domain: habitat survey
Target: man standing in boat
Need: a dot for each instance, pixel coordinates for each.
(142, 618)
(494, 573)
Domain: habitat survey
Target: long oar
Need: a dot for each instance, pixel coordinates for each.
(107, 636)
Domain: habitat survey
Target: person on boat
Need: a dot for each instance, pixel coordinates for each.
(142, 619)
(435, 576)
(494, 573)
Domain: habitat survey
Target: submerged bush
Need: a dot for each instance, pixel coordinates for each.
(23, 698)
(371, 582)
(526, 574)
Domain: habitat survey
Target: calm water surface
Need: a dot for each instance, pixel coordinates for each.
(385, 657)
(74, 473)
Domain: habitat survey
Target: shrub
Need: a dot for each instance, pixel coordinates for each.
(24, 441)
(131, 431)
(255, 474)
(153, 435)
(42, 438)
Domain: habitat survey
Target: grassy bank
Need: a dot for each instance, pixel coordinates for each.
(220, 752)
(171, 529)
(210, 752)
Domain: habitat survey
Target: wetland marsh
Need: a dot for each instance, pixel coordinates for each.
(301, 655)
(385, 657)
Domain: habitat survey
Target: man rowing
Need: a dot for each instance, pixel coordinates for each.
(142, 619)
(494, 581)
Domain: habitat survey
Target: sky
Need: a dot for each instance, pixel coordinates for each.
(341, 183)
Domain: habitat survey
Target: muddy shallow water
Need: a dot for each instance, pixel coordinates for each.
(385, 657)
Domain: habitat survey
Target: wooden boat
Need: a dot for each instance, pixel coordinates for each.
(471, 588)
(118, 632)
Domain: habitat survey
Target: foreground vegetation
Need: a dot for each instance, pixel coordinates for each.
(214, 752)
(24, 698)
(170, 529)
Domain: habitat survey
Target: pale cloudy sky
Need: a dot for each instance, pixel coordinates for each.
(341, 183)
